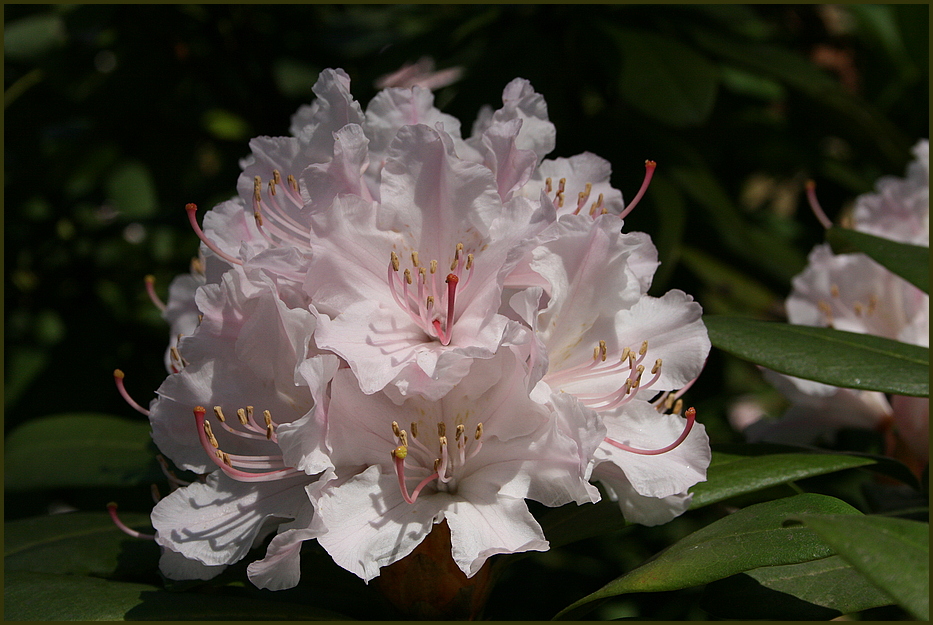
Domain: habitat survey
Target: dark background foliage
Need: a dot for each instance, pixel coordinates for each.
(118, 115)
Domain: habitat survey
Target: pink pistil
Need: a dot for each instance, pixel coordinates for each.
(815, 206)
(192, 210)
(118, 378)
(150, 289)
(691, 419)
(112, 509)
(400, 470)
(649, 172)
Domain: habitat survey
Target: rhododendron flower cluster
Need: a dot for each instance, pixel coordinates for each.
(392, 326)
(854, 293)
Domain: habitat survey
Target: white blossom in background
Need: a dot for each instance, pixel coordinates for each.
(854, 293)
(439, 327)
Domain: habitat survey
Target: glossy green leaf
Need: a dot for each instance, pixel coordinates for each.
(570, 523)
(101, 450)
(48, 597)
(816, 590)
(893, 553)
(834, 357)
(79, 543)
(748, 539)
(730, 475)
(665, 79)
(911, 262)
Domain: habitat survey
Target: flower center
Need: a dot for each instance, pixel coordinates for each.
(243, 468)
(278, 227)
(415, 457)
(417, 291)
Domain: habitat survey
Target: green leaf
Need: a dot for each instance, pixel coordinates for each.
(834, 357)
(101, 450)
(815, 590)
(911, 262)
(131, 189)
(665, 79)
(49, 597)
(570, 523)
(30, 37)
(731, 475)
(730, 289)
(748, 539)
(893, 553)
(79, 543)
(227, 125)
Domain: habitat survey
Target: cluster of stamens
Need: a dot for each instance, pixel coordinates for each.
(240, 467)
(835, 304)
(583, 197)
(417, 291)
(444, 464)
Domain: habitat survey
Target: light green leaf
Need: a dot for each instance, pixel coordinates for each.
(102, 450)
(893, 553)
(79, 543)
(911, 262)
(815, 590)
(665, 79)
(731, 475)
(748, 539)
(227, 125)
(132, 191)
(49, 597)
(834, 357)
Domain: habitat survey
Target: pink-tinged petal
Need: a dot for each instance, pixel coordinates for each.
(585, 174)
(231, 227)
(478, 531)
(302, 440)
(215, 522)
(511, 166)
(369, 525)
(637, 508)
(343, 174)
(520, 101)
(334, 108)
(176, 566)
(639, 425)
(280, 569)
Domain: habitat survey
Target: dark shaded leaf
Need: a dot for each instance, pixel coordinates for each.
(748, 539)
(834, 357)
(911, 262)
(893, 553)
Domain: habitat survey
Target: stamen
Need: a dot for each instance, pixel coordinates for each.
(398, 455)
(241, 415)
(649, 172)
(691, 419)
(219, 414)
(547, 186)
(460, 429)
(414, 430)
(414, 259)
(192, 209)
(112, 509)
(150, 289)
(118, 379)
(210, 435)
(815, 205)
(395, 263)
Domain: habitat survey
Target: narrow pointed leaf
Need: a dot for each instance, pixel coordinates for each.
(834, 357)
(910, 262)
(815, 590)
(748, 539)
(893, 553)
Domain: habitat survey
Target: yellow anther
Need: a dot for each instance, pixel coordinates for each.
(269, 432)
(433, 266)
(441, 428)
(560, 198)
(408, 276)
(414, 430)
(459, 433)
(400, 452)
(210, 435)
(872, 304)
(586, 191)
(257, 189)
(424, 275)
(561, 185)
(453, 264)
(469, 263)
(173, 351)
(429, 304)
(631, 360)
(272, 187)
(395, 429)
(669, 402)
(443, 441)
(249, 412)
(657, 366)
(603, 352)
(644, 348)
(628, 386)
(547, 185)
(219, 414)
(605, 211)
(257, 216)
(437, 464)
(834, 290)
(292, 182)
(625, 353)
(596, 353)
(678, 406)
(268, 417)
(276, 176)
(241, 415)
(395, 263)
(858, 309)
(403, 435)
(414, 258)
(479, 431)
